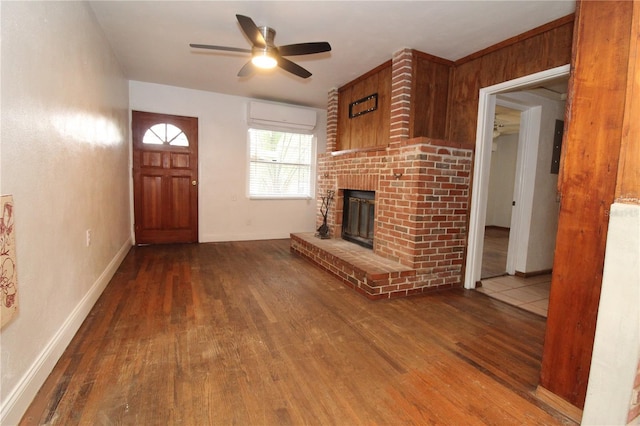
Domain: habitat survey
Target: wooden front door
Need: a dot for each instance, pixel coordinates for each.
(165, 173)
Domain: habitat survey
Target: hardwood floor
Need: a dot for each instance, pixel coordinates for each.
(494, 252)
(248, 333)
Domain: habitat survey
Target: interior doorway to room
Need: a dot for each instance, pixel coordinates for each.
(165, 173)
(502, 177)
(510, 236)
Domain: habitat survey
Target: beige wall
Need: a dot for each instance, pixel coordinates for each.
(501, 180)
(225, 212)
(65, 159)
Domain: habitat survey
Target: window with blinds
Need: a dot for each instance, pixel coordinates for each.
(280, 164)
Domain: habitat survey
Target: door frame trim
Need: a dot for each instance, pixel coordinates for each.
(482, 164)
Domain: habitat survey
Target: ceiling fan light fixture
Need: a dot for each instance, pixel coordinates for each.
(265, 54)
(264, 60)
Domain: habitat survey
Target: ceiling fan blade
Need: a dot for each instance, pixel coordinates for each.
(247, 69)
(304, 48)
(251, 30)
(293, 68)
(226, 48)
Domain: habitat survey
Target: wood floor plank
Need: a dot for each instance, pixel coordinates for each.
(249, 333)
(494, 252)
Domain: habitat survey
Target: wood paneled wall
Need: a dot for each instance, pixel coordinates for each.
(591, 152)
(430, 87)
(628, 185)
(545, 47)
(444, 94)
(429, 82)
(369, 130)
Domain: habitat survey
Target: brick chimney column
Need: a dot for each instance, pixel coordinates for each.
(401, 80)
(326, 178)
(332, 120)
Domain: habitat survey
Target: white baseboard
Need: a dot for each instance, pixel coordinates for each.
(19, 399)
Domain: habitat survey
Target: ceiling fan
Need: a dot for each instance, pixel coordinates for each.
(265, 54)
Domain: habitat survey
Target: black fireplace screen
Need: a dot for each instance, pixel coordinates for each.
(358, 219)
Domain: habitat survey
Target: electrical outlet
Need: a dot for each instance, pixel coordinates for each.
(88, 237)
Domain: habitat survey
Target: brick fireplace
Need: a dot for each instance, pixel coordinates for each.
(421, 189)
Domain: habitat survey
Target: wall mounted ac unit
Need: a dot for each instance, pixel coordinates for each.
(278, 116)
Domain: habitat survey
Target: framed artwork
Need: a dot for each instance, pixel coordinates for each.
(8, 273)
(363, 106)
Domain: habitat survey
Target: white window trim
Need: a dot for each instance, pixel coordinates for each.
(312, 171)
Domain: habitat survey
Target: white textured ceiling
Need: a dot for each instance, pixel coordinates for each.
(151, 38)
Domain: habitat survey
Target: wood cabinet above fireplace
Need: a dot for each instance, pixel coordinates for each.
(366, 129)
(365, 124)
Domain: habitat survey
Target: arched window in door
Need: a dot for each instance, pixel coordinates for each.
(165, 134)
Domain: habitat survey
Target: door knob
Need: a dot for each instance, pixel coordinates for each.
(193, 182)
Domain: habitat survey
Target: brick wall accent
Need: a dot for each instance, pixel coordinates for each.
(325, 182)
(332, 120)
(421, 217)
(401, 81)
(422, 190)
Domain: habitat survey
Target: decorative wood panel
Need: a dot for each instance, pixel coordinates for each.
(151, 159)
(152, 202)
(587, 180)
(540, 49)
(180, 161)
(363, 127)
(371, 129)
(628, 187)
(429, 94)
(384, 105)
(180, 196)
(343, 141)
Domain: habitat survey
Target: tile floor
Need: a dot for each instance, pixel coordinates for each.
(531, 294)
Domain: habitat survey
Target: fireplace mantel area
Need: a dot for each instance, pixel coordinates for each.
(386, 133)
(407, 131)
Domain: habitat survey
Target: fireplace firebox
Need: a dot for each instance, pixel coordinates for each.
(358, 217)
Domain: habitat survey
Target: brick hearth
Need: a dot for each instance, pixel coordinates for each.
(359, 268)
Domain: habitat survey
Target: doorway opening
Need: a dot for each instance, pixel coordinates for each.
(502, 175)
(514, 206)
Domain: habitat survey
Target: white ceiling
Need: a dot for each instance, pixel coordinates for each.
(151, 38)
